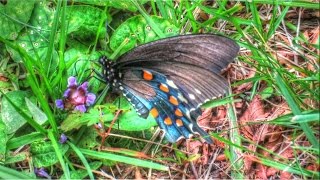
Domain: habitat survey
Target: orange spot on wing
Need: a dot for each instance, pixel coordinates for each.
(179, 122)
(167, 121)
(178, 113)
(164, 88)
(154, 112)
(173, 100)
(147, 75)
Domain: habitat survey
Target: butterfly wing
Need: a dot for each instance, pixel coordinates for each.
(170, 78)
(162, 101)
(207, 51)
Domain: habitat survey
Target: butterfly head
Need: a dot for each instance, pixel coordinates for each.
(108, 71)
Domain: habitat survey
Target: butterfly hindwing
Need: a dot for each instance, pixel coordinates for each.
(168, 105)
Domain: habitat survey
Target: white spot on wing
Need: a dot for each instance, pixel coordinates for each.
(191, 127)
(188, 114)
(192, 97)
(197, 91)
(171, 83)
(181, 98)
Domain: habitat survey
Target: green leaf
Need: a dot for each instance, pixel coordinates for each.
(24, 140)
(10, 159)
(124, 159)
(82, 173)
(76, 120)
(73, 121)
(43, 153)
(136, 30)
(36, 113)
(129, 120)
(125, 4)
(84, 21)
(217, 102)
(118, 4)
(267, 92)
(12, 119)
(35, 38)
(13, 17)
(3, 140)
(88, 139)
(7, 173)
(304, 118)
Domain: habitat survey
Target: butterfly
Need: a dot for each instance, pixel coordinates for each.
(171, 78)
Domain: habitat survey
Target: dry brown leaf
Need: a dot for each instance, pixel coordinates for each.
(261, 171)
(221, 157)
(254, 112)
(194, 146)
(248, 163)
(284, 175)
(271, 171)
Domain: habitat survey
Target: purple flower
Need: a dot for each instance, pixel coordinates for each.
(41, 172)
(63, 139)
(76, 97)
(59, 103)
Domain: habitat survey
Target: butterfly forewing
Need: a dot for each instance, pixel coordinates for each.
(207, 51)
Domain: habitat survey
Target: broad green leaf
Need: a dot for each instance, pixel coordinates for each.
(10, 159)
(88, 139)
(3, 140)
(82, 173)
(125, 4)
(73, 121)
(84, 21)
(43, 153)
(12, 119)
(8, 173)
(129, 120)
(76, 120)
(24, 140)
(36, 113)
(14, 14)
(119, 4)
(35, 38)
(136, 30)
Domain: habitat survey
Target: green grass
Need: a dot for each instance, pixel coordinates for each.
(38, 63)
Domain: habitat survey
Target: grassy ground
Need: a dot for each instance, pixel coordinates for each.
(267, 127)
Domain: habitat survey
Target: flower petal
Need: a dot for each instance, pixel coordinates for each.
(81, 108)
(67, 93)
(84, 86)
(41, 172)
(72, 81)
(63, 138)
(59, 104)
(90, 99)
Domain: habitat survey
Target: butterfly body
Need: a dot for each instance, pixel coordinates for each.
(170, 78)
